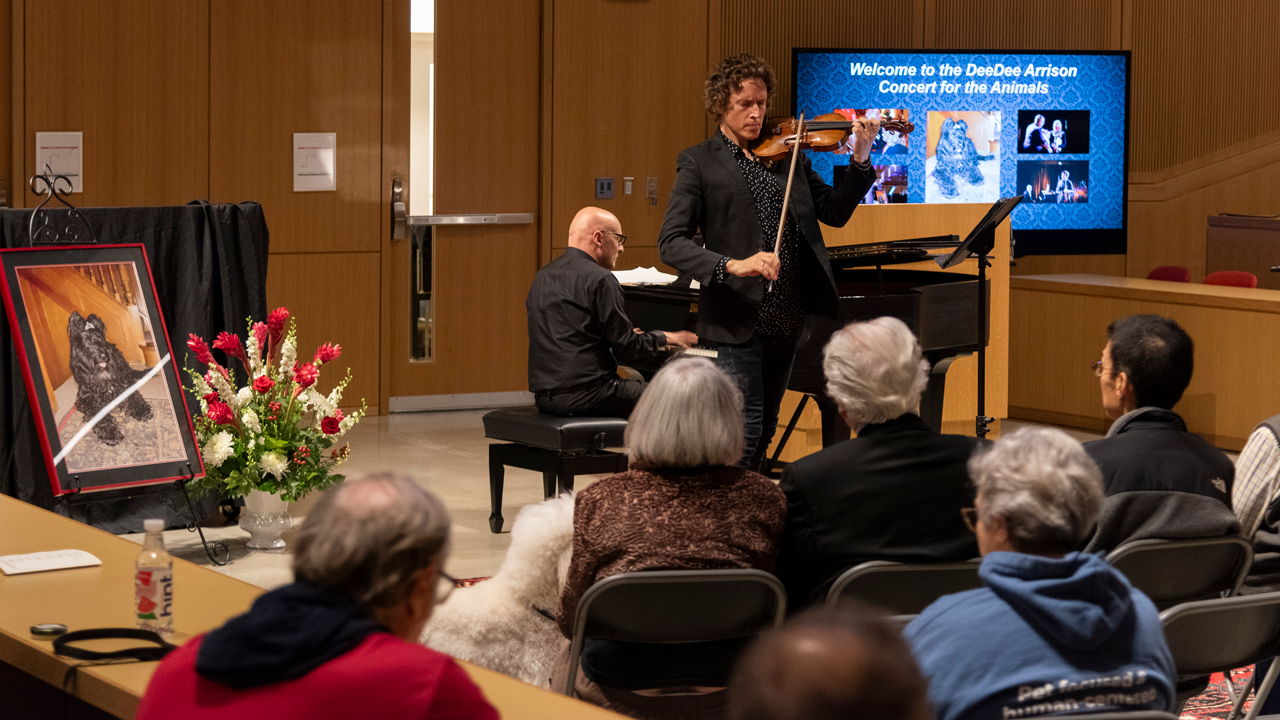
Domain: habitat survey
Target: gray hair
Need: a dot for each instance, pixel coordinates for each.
(874, 370)
(1044, 486)
(366, 539)
(690, 415)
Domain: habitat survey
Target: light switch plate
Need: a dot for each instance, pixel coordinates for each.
(604, 188)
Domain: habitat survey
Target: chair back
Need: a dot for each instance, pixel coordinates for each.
(903, 589)
(1177, 571)
(676, 606)
(1170, 273)
(1209, 636)
(1233, 278)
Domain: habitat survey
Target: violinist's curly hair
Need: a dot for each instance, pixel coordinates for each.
(726, 79)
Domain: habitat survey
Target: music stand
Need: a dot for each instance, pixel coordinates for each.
(980, 242)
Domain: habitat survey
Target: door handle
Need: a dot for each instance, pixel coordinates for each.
(398, 214)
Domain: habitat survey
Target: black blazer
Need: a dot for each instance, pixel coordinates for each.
(711, 195)
(893, 493)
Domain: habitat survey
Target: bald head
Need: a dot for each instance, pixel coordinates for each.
(595, 232)
(830, 663)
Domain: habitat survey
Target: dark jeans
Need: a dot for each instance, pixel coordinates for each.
(762, 368)
(615, 397)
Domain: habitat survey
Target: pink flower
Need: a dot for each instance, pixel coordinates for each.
(305, 375)
(263, 384)
(262, 335)
(220, 413)
(327, 352)
(196, 343)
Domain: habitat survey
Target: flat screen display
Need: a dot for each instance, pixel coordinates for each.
(1052, 127)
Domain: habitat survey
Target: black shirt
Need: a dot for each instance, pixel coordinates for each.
(578, 323)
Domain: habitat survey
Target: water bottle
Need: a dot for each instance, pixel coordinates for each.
(153, 581)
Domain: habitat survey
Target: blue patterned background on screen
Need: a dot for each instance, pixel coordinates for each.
(824, 82)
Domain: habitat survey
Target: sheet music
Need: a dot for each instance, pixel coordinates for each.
(48, 560)
(644, 276)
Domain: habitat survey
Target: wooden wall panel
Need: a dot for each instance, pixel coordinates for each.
(334, 297)
(1070, 264)
(997, 24)
(133, 76)
(771, 29)
(620, 108)
(282, 68)
(6, 99)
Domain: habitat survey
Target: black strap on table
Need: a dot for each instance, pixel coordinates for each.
(62, 645)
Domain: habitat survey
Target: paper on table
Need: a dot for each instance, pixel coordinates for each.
(49, 560)
(644, 276)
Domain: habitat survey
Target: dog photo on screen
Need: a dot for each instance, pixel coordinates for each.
(962, 157)
(95, 339)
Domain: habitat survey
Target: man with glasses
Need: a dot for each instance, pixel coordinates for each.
(342, 640)
(578, 326)
(1160, 480)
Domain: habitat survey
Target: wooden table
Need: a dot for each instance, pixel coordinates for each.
(203, 600)
(1058, 327)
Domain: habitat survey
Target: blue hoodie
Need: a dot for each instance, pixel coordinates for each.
(1043, 637)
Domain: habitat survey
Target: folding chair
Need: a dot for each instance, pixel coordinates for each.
(1209, 636)
(1177, 571)
(676, 606)
(903, 589)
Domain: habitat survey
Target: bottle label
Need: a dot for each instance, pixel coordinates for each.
(153, 595)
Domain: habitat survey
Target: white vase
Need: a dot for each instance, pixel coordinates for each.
(265, 518)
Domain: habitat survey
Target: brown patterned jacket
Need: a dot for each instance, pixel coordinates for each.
(643, 519)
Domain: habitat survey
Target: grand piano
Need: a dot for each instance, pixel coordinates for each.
(940, 308)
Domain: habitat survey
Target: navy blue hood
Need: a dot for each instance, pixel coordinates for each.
(286, 634)
(1078, 601)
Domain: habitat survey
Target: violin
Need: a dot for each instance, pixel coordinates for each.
(824, 133)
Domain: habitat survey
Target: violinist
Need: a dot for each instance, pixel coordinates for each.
(752, 300)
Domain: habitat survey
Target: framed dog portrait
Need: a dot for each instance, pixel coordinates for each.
(98, 368)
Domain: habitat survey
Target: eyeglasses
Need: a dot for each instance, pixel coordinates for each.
(1099, 368)
(622, 239)
(444, 585)
(970, 516)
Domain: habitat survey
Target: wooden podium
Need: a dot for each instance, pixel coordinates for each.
(883, 223)
(1244, 243)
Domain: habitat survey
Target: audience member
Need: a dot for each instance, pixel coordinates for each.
(578, 326)
(1160, 480)
(1052, 631)
(683, 505)
(892, 493)
(1256, 500)
(340, 642)
(830, 663)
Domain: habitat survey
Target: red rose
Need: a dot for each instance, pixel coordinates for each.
(211, 397)
(331, 425)
(231, 345)
(305, 375)
(200, 349)
(327, 352)
(220, 413)
(263, 384)
(262, 335)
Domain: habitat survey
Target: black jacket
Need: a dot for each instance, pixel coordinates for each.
(893, 493)
(1161, 482)
(711, 195)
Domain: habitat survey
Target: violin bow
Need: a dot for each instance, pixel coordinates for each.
(786, 198)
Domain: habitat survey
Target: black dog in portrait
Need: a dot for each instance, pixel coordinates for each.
(957, 157)
(102, 373)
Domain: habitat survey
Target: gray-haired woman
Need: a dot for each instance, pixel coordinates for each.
(1052, 631)
(683, 505)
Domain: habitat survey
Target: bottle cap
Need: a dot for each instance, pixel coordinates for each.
(48, 629)
(153, 525)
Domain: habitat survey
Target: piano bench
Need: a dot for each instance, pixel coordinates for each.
(558, 447)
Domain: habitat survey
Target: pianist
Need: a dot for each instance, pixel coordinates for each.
(578, 327)
(736, 201)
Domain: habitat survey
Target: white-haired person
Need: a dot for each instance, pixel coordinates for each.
(340, 641)
(683, 505)
(892, 493)
(1052, 631)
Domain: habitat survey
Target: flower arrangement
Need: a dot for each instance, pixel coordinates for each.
(276, 433)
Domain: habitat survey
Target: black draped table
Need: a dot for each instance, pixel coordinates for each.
(209, 263)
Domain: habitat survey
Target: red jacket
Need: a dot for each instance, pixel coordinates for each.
(384, 677)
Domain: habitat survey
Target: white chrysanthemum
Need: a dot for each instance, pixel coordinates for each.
(255, 363)
(218, 449)
(288, 354)
(244, 396)
(273, 463)
(250, 421)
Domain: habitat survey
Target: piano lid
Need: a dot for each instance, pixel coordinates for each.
(895, 252)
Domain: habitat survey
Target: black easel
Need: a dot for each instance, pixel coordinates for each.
(980, 242)
(41, 230)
